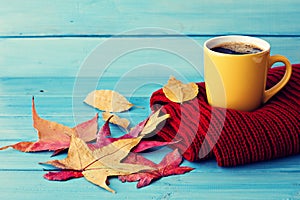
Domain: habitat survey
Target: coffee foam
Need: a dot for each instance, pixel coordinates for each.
(240, 47)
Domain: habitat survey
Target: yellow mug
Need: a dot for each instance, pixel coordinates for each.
(235, 78)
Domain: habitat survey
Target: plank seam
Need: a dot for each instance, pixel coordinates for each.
(138, 36)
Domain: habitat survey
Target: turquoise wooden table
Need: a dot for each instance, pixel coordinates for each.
(58, 50)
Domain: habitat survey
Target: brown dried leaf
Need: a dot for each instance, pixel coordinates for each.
(108, 100)
(123, 122)
(97, 165)
(179, 92)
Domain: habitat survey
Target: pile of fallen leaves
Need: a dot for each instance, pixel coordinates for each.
(96, 155)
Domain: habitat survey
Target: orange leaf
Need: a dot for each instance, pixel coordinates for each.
(54, 136)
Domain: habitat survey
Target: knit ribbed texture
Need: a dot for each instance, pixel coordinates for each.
(235, 137)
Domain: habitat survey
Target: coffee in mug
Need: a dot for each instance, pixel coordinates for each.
(235, 72)
(237, 48)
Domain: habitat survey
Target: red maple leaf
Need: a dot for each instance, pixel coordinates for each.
(168, 166)
(63, 175)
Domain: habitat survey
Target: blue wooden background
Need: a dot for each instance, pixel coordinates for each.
(43, 45)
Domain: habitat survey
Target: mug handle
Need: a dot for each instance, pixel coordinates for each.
(288, 72)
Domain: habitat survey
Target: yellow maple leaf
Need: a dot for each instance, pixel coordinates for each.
(179, 92)
(154, 120)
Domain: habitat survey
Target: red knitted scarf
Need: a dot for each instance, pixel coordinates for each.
(235, 137)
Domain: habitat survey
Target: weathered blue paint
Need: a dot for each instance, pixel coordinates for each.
(43, 45)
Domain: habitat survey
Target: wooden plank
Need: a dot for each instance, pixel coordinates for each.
(61, 106)
(121, 57)
(25, 185)
(114, 17)
(26, 87)
(207, 181)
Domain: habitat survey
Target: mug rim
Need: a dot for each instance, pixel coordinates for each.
(212, 42)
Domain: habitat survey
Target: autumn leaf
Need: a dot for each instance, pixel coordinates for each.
(167, 167)
(142, 129)
(104, 135)
(153, 121)
(178, 92)
(97, 165)
(63, 175)
(123, 122)
(54, 136)
(148, 144)
(108, 100)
